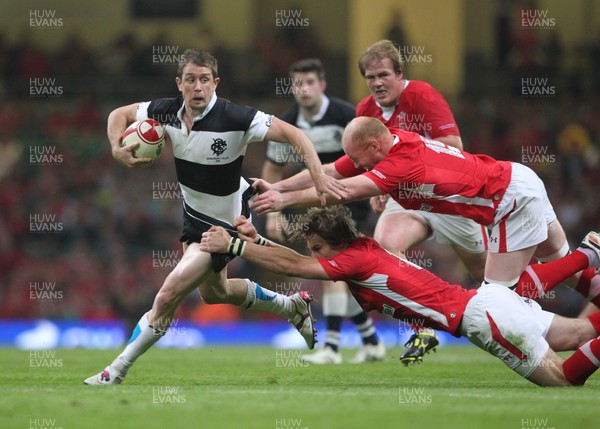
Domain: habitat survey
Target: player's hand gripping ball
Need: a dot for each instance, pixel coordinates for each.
(149, 134)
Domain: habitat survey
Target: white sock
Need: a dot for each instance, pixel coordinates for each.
(260, 298)
(334, 303)
(142, 338)
(353, 308)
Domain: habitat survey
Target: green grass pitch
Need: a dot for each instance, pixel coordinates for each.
(459, 387)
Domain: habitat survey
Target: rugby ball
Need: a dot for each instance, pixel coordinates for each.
(150, 134)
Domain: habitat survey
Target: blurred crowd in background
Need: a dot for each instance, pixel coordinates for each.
(74, 220)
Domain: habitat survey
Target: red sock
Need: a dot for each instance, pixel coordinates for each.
(537, 279)
(595, 320)
(589, 286)
(583, 363)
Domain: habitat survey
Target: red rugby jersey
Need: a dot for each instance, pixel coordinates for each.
(421, 109)
(424, 174)
(384, 282)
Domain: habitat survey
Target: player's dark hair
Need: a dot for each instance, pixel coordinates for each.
(309, 65)
(333, 224)
(379, 51)
(199, 58)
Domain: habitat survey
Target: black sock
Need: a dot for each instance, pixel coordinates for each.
(332, 336)
(366, 328)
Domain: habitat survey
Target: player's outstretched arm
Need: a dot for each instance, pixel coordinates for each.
(301, 180)
(282, 132)
(357, 188)
(117, 122)
(272, 175)
(278, 259)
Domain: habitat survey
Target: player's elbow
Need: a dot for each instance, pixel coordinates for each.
(117, 119)
(458, 143)
(124, 114)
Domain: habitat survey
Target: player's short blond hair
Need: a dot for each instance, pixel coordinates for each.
(378, 52)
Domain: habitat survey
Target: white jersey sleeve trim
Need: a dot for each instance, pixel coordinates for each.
(142, 111)
(259, 127)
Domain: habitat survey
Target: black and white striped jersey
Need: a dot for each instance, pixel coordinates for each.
(324, 131)
(208, 159)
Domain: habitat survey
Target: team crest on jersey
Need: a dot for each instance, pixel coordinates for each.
(219, 146)
(337, 136)
(269, 121)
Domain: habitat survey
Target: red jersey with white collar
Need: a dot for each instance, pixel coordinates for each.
(424, 174)
(386, 283)
(421, 109)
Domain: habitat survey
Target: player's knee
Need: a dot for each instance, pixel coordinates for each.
(391, 243)
(214, 294)
(165, 301)
(170, 294)
(477, 273)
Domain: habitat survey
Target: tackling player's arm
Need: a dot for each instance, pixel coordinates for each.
(117, 123)
(301, 180)
(282, 132)
(357, 188)
(273, 257)
(272, 174)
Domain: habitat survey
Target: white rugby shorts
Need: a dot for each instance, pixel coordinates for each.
(508, 326)
(523, 214)
(448, 229)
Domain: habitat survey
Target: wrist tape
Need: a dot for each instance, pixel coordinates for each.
(236, 247)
